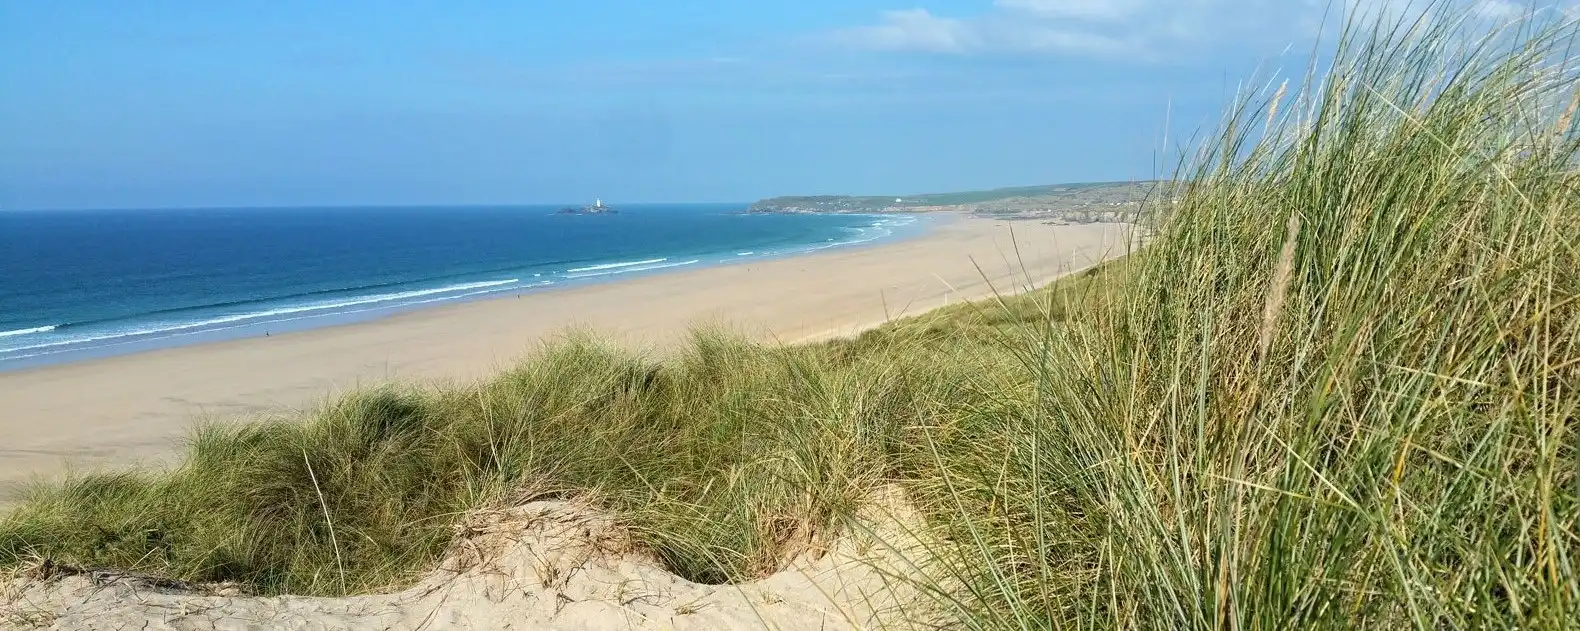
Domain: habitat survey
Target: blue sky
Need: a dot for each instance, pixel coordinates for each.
(253, 103)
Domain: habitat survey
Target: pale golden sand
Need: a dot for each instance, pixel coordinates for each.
(541, 565)
(134, 408)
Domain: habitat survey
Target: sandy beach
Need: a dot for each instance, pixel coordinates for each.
(136, 408)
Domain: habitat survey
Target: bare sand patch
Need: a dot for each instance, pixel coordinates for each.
(540, 565)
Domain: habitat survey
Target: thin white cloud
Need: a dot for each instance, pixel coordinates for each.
(1097, 10)
(919, 29)
(1136, 29)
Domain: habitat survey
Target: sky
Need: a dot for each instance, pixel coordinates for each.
(141, 104)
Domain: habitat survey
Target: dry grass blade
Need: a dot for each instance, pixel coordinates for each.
(1278, 289)
(329, 522)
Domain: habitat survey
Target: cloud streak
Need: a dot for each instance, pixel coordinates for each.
(1128, 29)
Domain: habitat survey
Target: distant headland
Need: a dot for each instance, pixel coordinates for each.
(1071, 203)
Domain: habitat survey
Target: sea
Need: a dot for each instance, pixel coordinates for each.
(86, 284)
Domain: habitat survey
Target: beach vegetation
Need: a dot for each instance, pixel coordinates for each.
(1339, 387)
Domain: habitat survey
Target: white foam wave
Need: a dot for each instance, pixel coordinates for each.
(746, 253)
(209, 324)
(360, 300)
(36, 329)
(636, 268)
(591, 268)
(4, 356)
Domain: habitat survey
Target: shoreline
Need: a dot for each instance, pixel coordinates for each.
(487, 287)
(136, 408)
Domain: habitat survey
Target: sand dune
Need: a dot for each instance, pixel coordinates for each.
(539, 565)
(135, 408)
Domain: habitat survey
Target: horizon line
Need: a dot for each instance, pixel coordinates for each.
(364, 206)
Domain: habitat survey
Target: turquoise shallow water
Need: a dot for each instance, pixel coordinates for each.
(82, 284)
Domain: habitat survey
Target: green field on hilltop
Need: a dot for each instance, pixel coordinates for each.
(1081, 203)
(1338, 388)
(853, 203)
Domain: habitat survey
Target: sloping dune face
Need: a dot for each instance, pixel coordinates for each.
(542, 565)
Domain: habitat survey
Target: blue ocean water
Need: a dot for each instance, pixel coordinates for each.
(80, 284)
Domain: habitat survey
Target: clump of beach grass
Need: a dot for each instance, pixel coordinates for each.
(1340, 387)
(723, 460)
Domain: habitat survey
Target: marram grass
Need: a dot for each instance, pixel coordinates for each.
(1337, 389)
